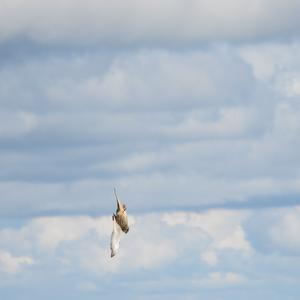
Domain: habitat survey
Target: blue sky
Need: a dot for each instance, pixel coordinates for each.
(190, 108)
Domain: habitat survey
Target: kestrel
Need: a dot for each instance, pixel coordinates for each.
(121, 215)
(120, 223)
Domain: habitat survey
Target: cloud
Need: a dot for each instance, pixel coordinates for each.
(180, 129)
(84, 241)
(284, 231)
(17, 124)
(88, 286)
(211, 250)
(223, 228)
(187, 107)
(140, 22)
(51, 232)
(210, 257)
(217, 278)
(147, 120)
(89, 122)
(13, 264)
(135, 81)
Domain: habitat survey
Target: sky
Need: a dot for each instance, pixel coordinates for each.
(190, 109)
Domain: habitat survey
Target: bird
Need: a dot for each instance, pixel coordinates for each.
(115, 237)
(121, 215)
(120, 223)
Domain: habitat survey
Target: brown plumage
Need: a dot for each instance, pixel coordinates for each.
(121, 215)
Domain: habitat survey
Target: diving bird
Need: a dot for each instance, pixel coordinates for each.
(115, 238)
(121, 216)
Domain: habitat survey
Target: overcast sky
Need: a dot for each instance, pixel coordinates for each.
(190, 108)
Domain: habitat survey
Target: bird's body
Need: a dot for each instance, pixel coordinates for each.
(122, 220)
(121, 215)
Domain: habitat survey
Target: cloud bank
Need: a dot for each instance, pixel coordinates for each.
(165, 126)
(215, 250)
(146, 23)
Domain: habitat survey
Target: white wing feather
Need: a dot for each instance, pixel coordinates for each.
(115, 238)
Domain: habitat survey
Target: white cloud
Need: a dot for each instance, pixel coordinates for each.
(226, 278)
(236, 241)
(84, 241)
(214, 246)
(210, 257)
(13, 264)
(222, 232)
(272, 61)
(293, 86)
(154, 241)
(224, 227)
(284, 233)
(50, 232)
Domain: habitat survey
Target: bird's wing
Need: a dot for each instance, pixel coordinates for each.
(115, 238)
(119, 206)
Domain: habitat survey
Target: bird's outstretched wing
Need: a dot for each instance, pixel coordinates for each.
(115, 238)
(119, 205)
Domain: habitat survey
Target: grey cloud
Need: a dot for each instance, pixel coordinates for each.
(134, 81)
(166, 126)
(142, 22)
(140, 101)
